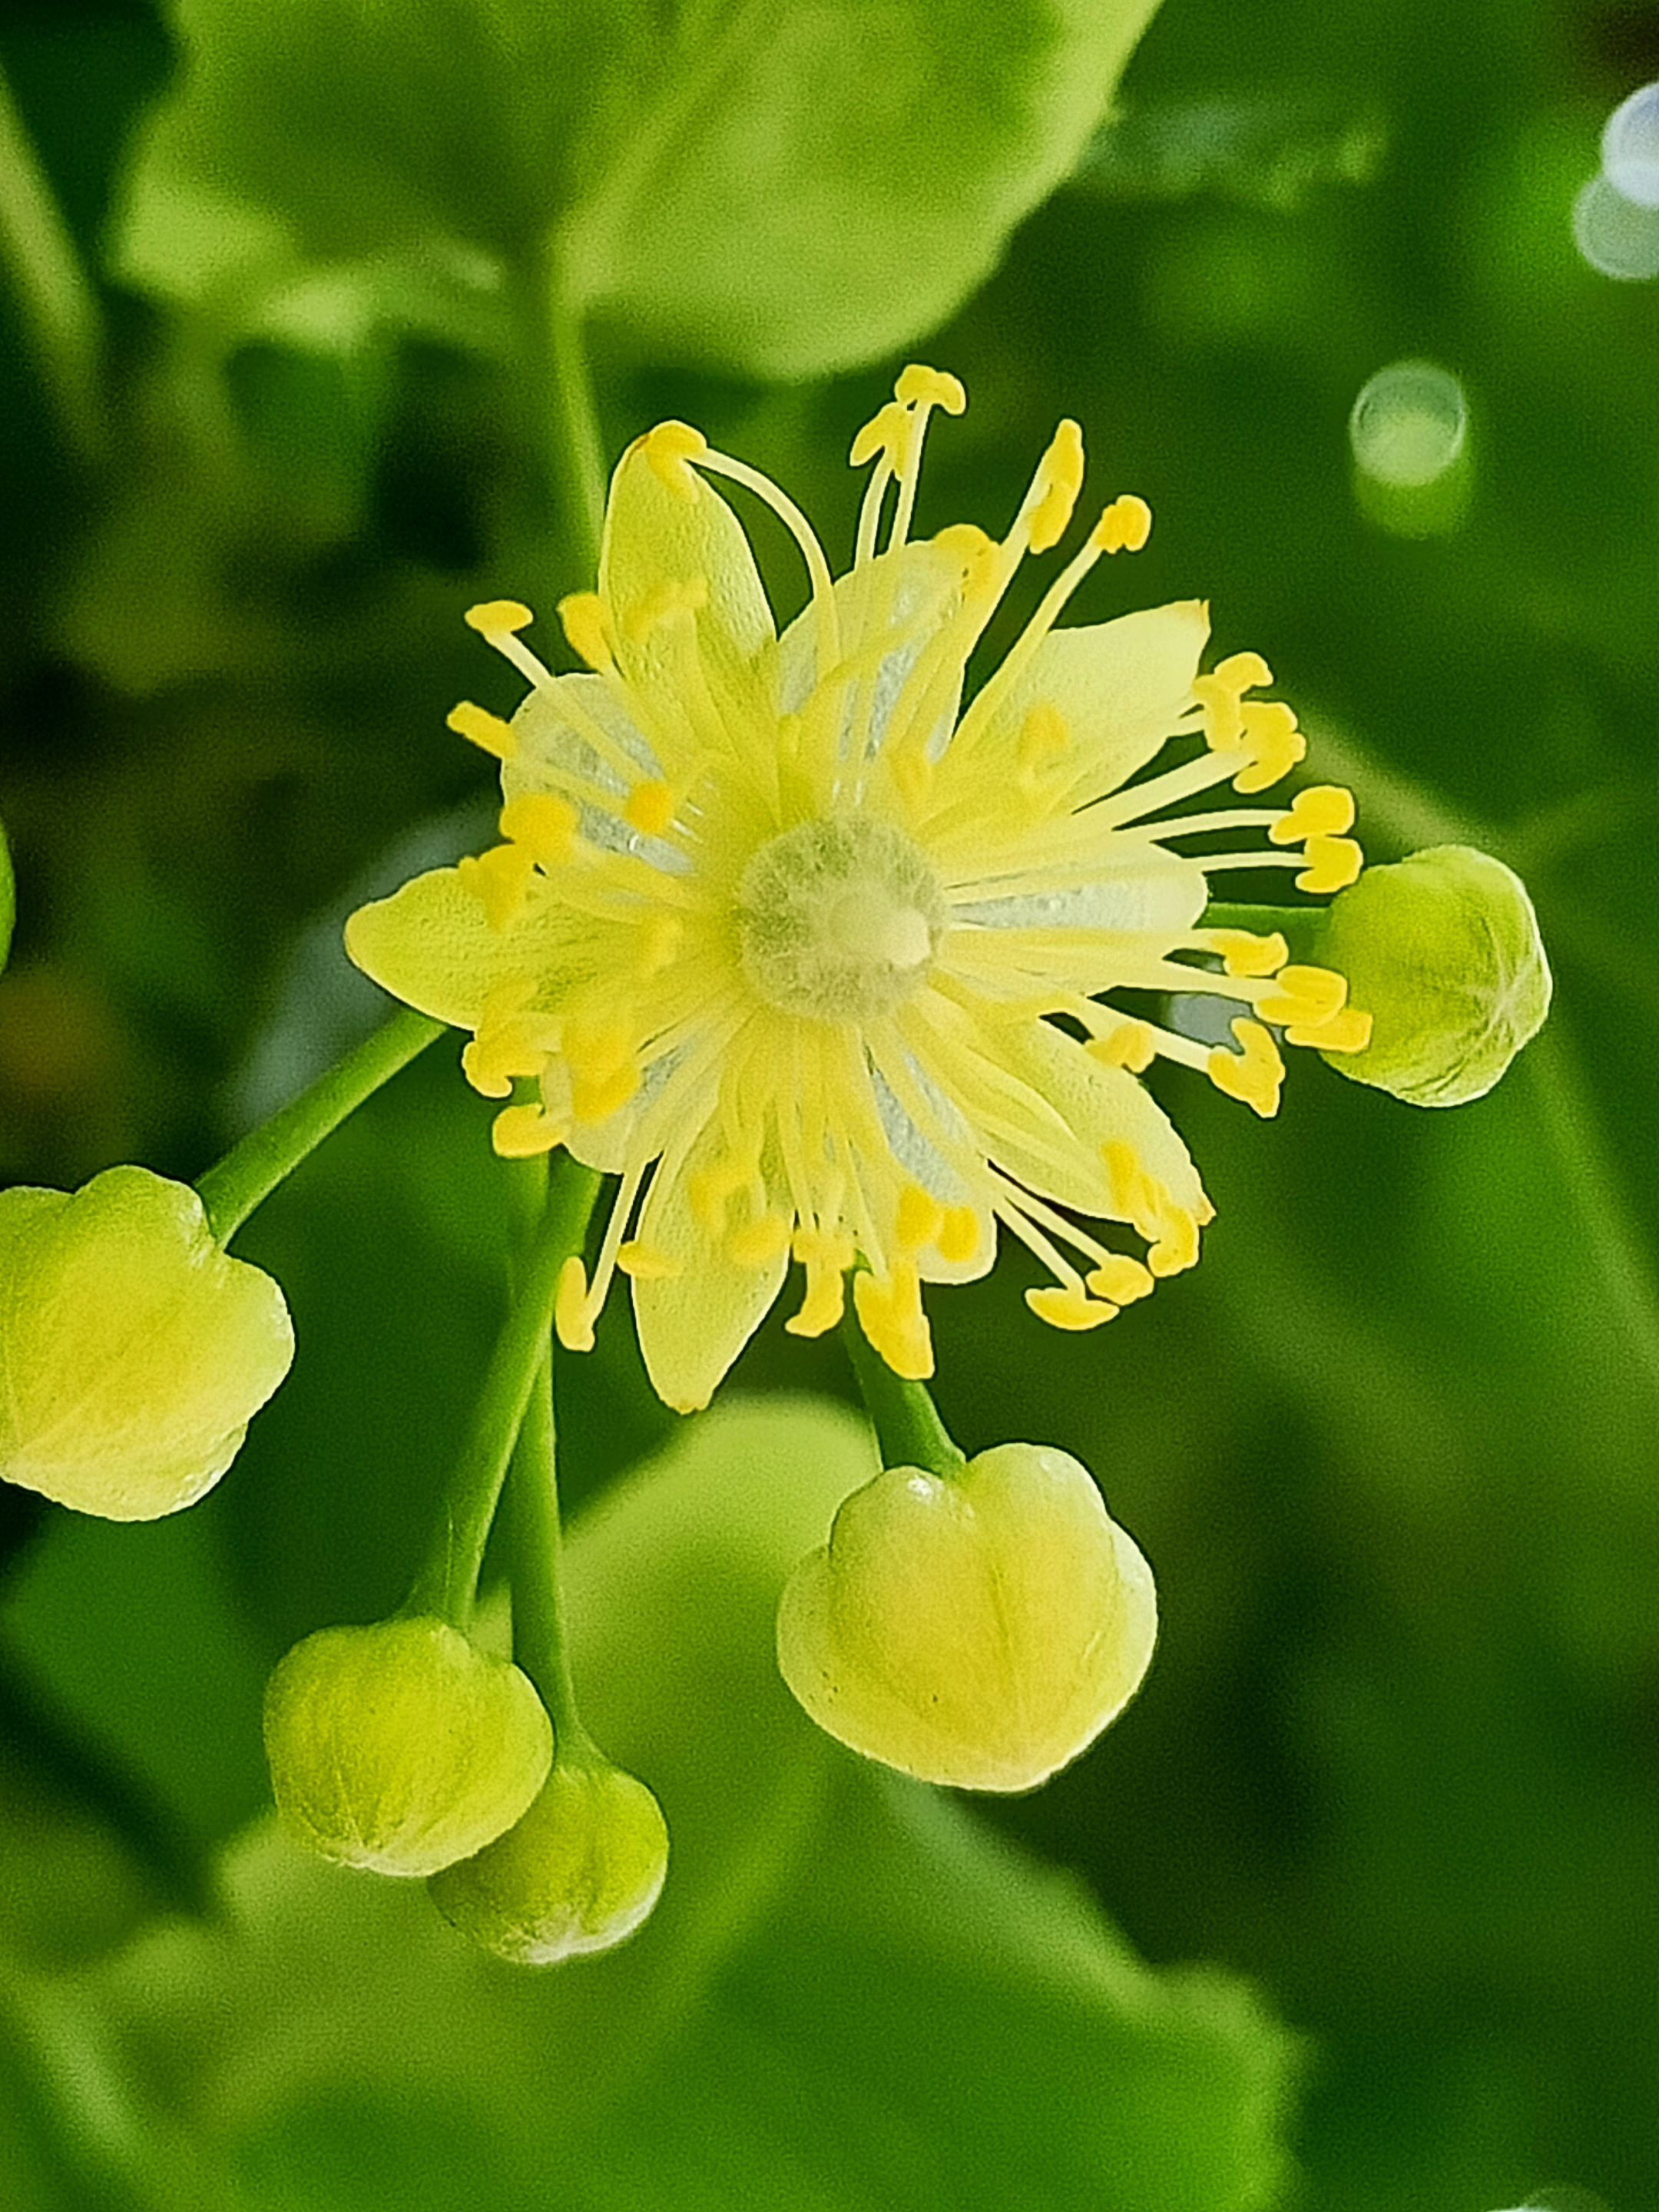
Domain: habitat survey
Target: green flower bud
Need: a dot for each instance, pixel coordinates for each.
(133, 1351)
(579, 1874)
(402, 1747)
(1442, 951)
(980, 1632)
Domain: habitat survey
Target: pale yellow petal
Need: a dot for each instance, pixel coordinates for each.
(693, 1322)
(431, 946)
(667, 534)
(1119, 689)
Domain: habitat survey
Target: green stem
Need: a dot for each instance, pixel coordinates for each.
(56, 301)
(903, 1414)
(448, 1584)
(558, 400)
(539, 1643)
(252, 1170)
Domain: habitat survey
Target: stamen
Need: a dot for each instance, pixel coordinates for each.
(498, 623)
(650, 807)
(587, 628)
(817, 567)
(890, 1314)
(1348, 1031)
(1333, 863)
(1126, 525)
(498, 879)
(919, 1218)
(1241, 952)
(1064, 1306)
(1120, 1279)
(1253, 1074)
(826, 1258)
(756, 1243)
(1054, 489)
(519, 1132)
(643, 1262)
(920, 385)
(1304, 997)
(1321, 810)
(1274, 742)
(669, 447)
(1129, 1045)
(543, 824)
(482, 728)
(573, 1324)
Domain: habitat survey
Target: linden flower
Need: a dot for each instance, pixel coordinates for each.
(812, 958)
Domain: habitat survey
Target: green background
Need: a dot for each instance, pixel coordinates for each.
(1390, 1449)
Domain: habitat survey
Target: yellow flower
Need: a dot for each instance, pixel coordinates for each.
(812, 957)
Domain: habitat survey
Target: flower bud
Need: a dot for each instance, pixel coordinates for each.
(402, 1747)
(980, 1632)
(1442, 951)
(579, 1873)
(133, 1351)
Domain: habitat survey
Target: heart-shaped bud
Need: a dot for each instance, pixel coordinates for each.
(402, 1747)
(1443, 951)
(980, 1631)
(579, 1872)
(133, 1351)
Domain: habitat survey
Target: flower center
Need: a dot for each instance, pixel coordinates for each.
(838, 919)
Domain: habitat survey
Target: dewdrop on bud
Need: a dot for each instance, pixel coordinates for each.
(133, 1351)
(579, 1874)
(402, 1747)
(980, 1631)
(1442, 951)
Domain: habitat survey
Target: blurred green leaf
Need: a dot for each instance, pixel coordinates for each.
(7, 897)
(849, 1996)
(781, 190)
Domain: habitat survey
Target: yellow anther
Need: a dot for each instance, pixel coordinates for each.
(1323, 809)
(1268, 732)
(884, 432)
(678, 595)
(1043, 737)
(1244, 953)
(572, 1322)
(498, 880)
(1120, 1280)
(668, 448)
(543, 823)
(1134, 1196)
(758, 1243)
(826, 1256)
(645, 1263)
(1059, 480)
(1064, 1306)
(710, 1190)
(650, 807)
(518, 1133)
(1244, 671)
(1253, 1074)
(1131, 1045)
(587, 627)
(1177, 1248)
(604, 1073)
(958, 1236)
(659, 940)
(967, 543)
(920, 1217)
(1348, 1031)
(937, 386)
(1220, 695)
(503, 1050)
(1307, 996)
(1333, 863)
(1125, 526)
(499, 618)
(890, 1313)
(482, 728)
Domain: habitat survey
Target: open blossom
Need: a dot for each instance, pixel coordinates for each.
(815, 960)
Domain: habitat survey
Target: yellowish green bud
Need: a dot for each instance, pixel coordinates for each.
(133, 1351)
(579, 1874)
(980, 1631)
(1443, 951)
(402, 1747)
